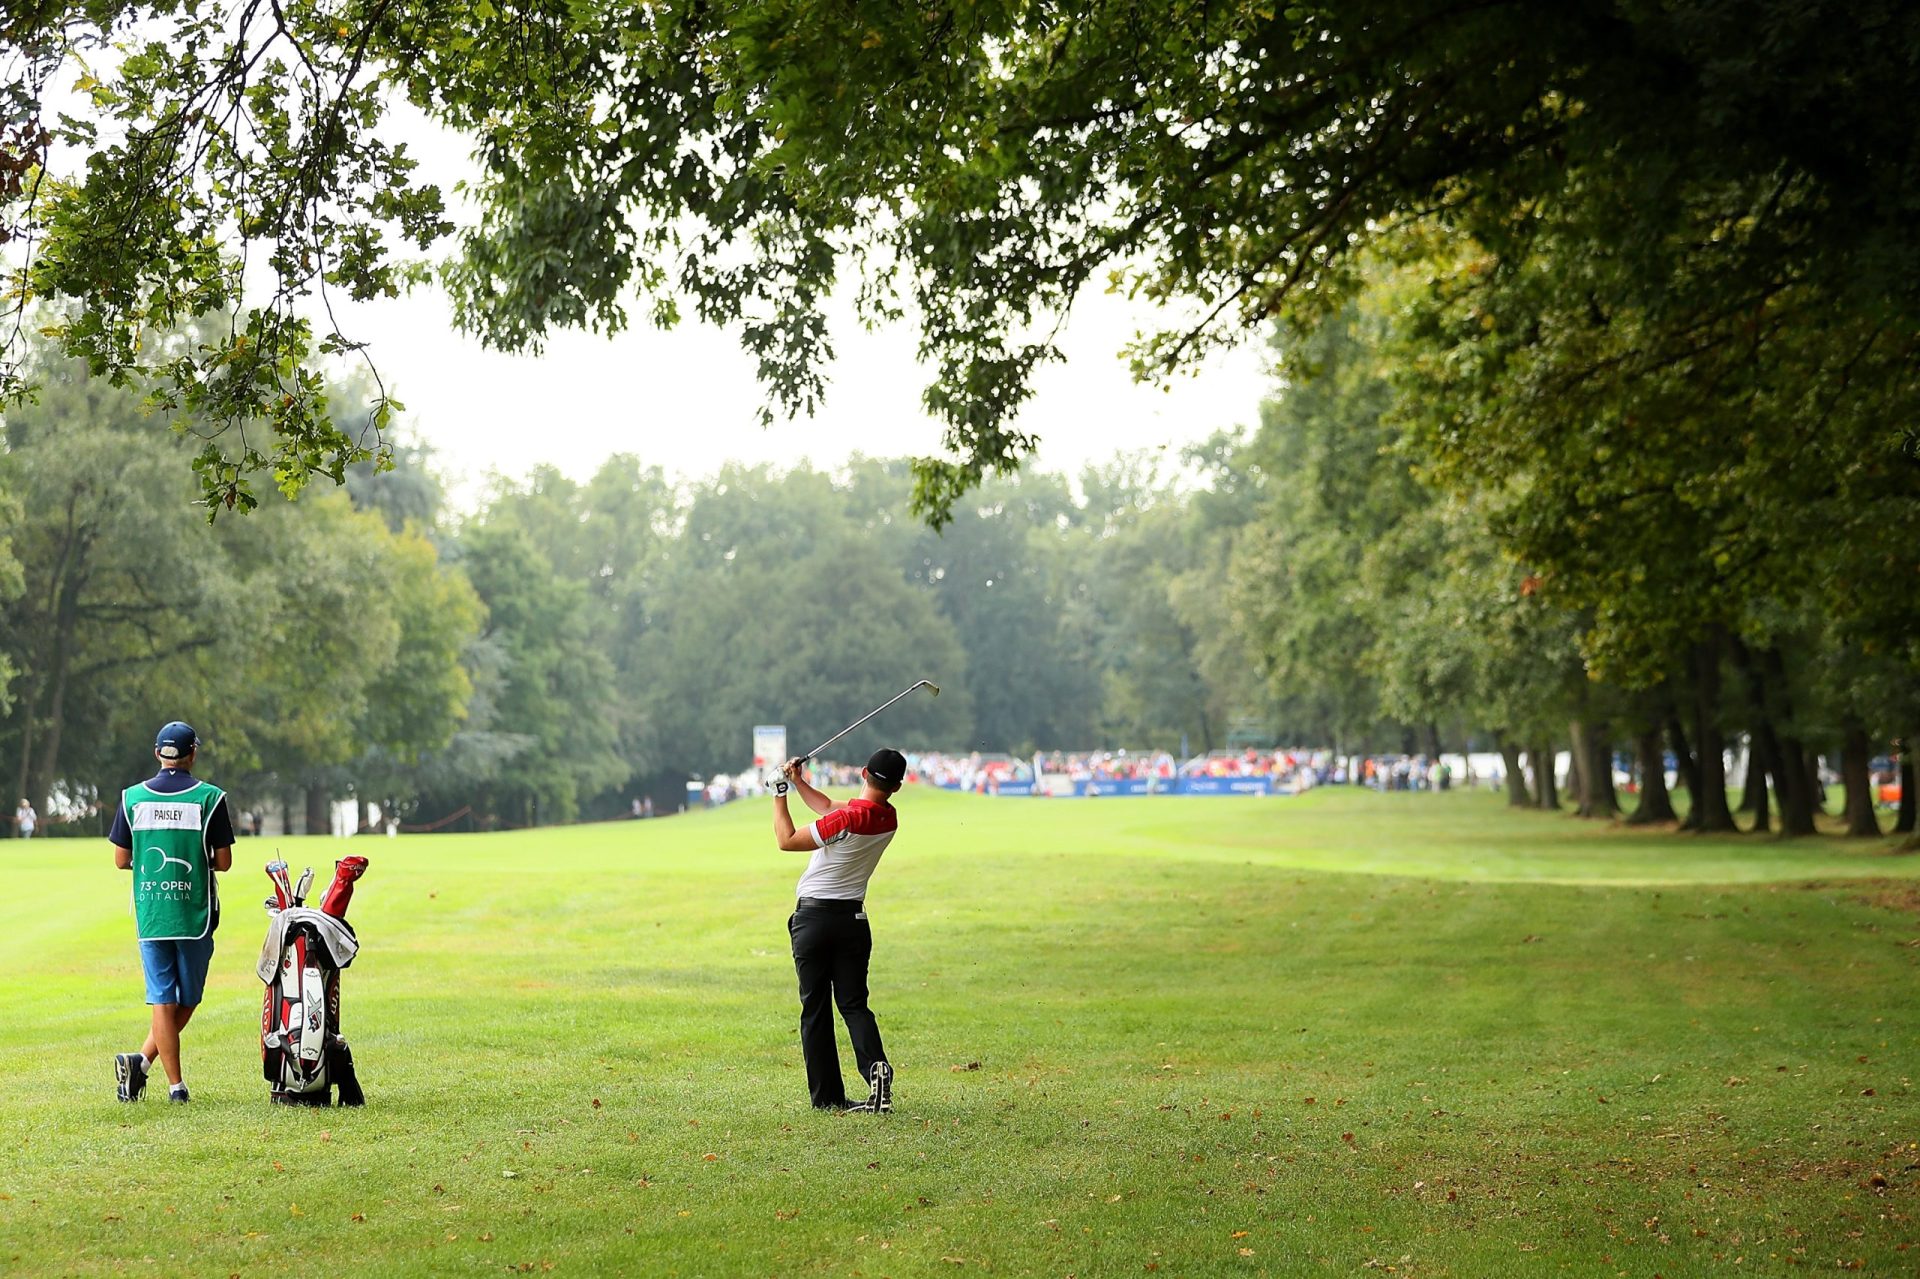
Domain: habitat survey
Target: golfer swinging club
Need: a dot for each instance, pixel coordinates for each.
(173, 832)
(832, 940)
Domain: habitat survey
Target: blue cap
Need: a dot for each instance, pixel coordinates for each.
(175, 741)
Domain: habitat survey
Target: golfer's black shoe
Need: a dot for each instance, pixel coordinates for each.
(880, 1100)
(178, 1094)
(130, 1074)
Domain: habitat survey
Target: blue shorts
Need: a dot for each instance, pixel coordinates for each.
(176, 970)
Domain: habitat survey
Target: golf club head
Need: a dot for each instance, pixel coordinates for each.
(932, 687)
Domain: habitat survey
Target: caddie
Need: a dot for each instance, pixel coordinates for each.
(173, 831)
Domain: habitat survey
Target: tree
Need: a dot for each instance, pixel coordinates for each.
(120, 603)
(774, 608)
(554, 684)
(1006, 576)
(983, 163)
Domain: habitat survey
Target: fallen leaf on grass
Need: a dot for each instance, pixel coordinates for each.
(958, 1261)
(1246, 1252)
(358, 1216)
(785, 1214)
(508, 1173)
(972, 1065)
(486, 1236)
(293, 1210)
(325, 1135)
(596, 1103)
(709, 1157)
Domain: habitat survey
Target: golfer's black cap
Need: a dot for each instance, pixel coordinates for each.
(175, 740)
(888, 765)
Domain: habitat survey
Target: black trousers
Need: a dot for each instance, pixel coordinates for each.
(831, 948)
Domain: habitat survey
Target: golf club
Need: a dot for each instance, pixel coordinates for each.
(300, 889)
(927, 684)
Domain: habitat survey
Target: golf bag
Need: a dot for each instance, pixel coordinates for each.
(303, 1055)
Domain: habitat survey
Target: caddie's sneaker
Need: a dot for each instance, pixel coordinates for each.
(880, 1100)
(178, 1094)
(130, 1074)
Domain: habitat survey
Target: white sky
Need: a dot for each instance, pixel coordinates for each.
(686, 399)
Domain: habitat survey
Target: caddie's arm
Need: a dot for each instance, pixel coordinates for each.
(221, 828)
(123, 857)
(812, 798)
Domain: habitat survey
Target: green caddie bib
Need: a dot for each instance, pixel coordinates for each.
(173, 893)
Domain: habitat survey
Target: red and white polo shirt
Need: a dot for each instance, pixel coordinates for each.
(848, 843)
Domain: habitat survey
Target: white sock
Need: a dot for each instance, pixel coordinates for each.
(179, 1087)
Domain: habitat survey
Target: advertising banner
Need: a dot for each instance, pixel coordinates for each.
(1121, 786)
(1225, 786)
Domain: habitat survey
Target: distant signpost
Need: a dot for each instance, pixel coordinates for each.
(769, 747)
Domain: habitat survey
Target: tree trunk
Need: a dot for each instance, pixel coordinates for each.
(360, 823)
(1815, 787)
(1791, 790)
(1516, 779)
(1856, 757)
(1592, 771)
(1753, 795)
(1656, 805)
(317, 822)
(1577, 766)
(1546, 790)
(1686, 767)
(1765, 756)
(1601, 800)
(1709, 813)
(1755, 799)
(1909, 802)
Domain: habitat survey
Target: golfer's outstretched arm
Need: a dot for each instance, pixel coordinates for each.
(789, 839)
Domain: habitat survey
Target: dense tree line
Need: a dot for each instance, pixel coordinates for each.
(569, 646)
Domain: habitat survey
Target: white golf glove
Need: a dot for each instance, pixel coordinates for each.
(780, 784)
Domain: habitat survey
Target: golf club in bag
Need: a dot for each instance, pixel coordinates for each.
(302, 1053)
(927, 684)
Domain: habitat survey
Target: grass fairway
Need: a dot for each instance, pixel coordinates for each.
(1191, 1037)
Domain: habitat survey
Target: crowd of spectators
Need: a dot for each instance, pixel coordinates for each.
(1290, 769)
